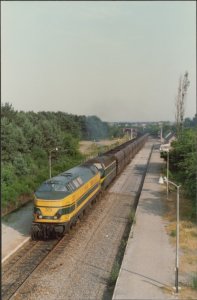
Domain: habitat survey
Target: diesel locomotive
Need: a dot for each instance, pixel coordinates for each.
(61, 200)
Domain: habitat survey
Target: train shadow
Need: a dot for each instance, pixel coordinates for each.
(152, 168)
(18, 222)
(153, 206)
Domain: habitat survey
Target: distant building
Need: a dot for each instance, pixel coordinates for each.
(169, 138)
(166, 146)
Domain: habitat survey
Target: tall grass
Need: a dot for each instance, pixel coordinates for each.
(194, 282)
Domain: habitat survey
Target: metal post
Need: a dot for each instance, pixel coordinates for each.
(177, 232)
(177, 244)
(167, 173)
(50, 151)
(49, 164)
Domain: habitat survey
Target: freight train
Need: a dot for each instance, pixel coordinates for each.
(60, 201)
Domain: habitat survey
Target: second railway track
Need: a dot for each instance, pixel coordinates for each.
(19, 267)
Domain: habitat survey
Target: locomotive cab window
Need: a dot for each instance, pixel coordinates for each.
(100, 168)
(52, 187)
(70, 186)
(80, 180)
(76, 183)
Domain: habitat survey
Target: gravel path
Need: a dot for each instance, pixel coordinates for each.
(85, 263)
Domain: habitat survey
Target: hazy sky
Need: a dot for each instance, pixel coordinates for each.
(119, 60)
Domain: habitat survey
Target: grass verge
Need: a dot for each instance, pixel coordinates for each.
(187, 244)
(119, 257)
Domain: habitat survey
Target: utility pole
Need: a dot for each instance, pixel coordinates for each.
(161, 133)
(50, 151)
(180, 102)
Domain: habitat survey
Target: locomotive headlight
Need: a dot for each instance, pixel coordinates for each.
(37, 212)
(59, 213)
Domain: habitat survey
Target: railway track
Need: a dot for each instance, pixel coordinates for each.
(21, 265)
(24, 262)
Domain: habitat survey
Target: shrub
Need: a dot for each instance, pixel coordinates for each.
(194, 282)
(114, 274)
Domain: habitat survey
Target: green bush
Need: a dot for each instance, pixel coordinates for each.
(20, 165)
(194, 282)
(131, 217)
(173, 233)
(114, 274)
(28, 137)
(183, 162)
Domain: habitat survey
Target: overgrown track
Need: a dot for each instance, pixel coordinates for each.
(21, 265)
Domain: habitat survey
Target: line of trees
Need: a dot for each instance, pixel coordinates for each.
(183, 157)
(183, 163)
(27, 138)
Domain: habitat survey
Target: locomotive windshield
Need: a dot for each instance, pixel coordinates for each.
(52, 187)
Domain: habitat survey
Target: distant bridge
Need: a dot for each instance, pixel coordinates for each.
(131, 132)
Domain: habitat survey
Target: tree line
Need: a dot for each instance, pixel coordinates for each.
(27, 139)
(183, 163)
(183, 160)
(183, 157)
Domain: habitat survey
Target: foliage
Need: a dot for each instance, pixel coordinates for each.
(183, 162)
(27, 139)
(131, 217)
(155, 129)
(114, 274)
(180, 102)
(116, 131)
(189, 123)
(152, 129)
(194, 282)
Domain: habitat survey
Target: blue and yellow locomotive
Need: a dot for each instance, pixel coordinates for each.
(60, 200)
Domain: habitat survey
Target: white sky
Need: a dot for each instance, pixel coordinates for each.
(119, 60)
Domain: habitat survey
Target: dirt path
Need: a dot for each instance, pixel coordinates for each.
(84, 266)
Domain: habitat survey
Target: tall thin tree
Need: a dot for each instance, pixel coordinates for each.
(180, 102)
